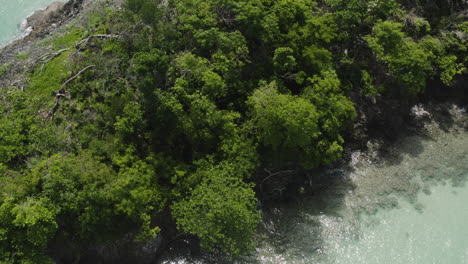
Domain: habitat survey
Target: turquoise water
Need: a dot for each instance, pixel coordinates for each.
(408, 205)
(435, 234)
(13, 13)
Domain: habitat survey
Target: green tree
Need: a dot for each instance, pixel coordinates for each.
(221, 210)
(407, 60)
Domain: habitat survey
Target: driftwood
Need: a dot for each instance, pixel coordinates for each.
(61, 93)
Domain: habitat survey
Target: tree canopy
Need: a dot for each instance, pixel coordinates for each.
(167, 109)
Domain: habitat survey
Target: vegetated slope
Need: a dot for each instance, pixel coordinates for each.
(157, 115)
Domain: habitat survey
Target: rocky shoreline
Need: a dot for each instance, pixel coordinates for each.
(42, 23)
(17, 57)
(43, 15)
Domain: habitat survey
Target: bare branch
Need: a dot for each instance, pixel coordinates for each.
(76, 76)
(290, 76)
(279, 190)
(227, 16)
(46, 58)
(7, 93)
(61, 93)
(98, 36)
(53, 55)
(272, 175)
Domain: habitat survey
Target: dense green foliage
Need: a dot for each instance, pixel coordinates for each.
(171, 112)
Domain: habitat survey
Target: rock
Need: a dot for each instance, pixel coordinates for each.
(42, 15)
(458, 113)
(418, 112)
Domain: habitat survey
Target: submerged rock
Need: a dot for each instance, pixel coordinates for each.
(418, 112)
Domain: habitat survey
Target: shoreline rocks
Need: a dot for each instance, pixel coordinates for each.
(42, 23)
(43, 15)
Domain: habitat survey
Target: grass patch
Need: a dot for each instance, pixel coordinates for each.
(45, 80)
(22, 56)
(48, 78)
(69, 39)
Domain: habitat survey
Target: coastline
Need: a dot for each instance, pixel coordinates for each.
(30, 16)
(39, 24)
(42, 14)
(17, 56)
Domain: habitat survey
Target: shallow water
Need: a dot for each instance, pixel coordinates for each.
(410, 207)
(407, 205)
(13, 13)
(437, 233)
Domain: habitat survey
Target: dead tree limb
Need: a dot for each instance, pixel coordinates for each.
(279, 190)
(227, 16)
(290, 77)
(76, 76)
(98, 36)
(46, 58)
(6, 94)
(271, 175)
(52, 54)
(61, 93)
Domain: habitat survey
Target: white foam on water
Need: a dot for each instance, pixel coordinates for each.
(13, 14)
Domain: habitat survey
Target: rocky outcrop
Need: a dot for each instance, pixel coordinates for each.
(47, 21)
(43, 15)
(43, 22)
